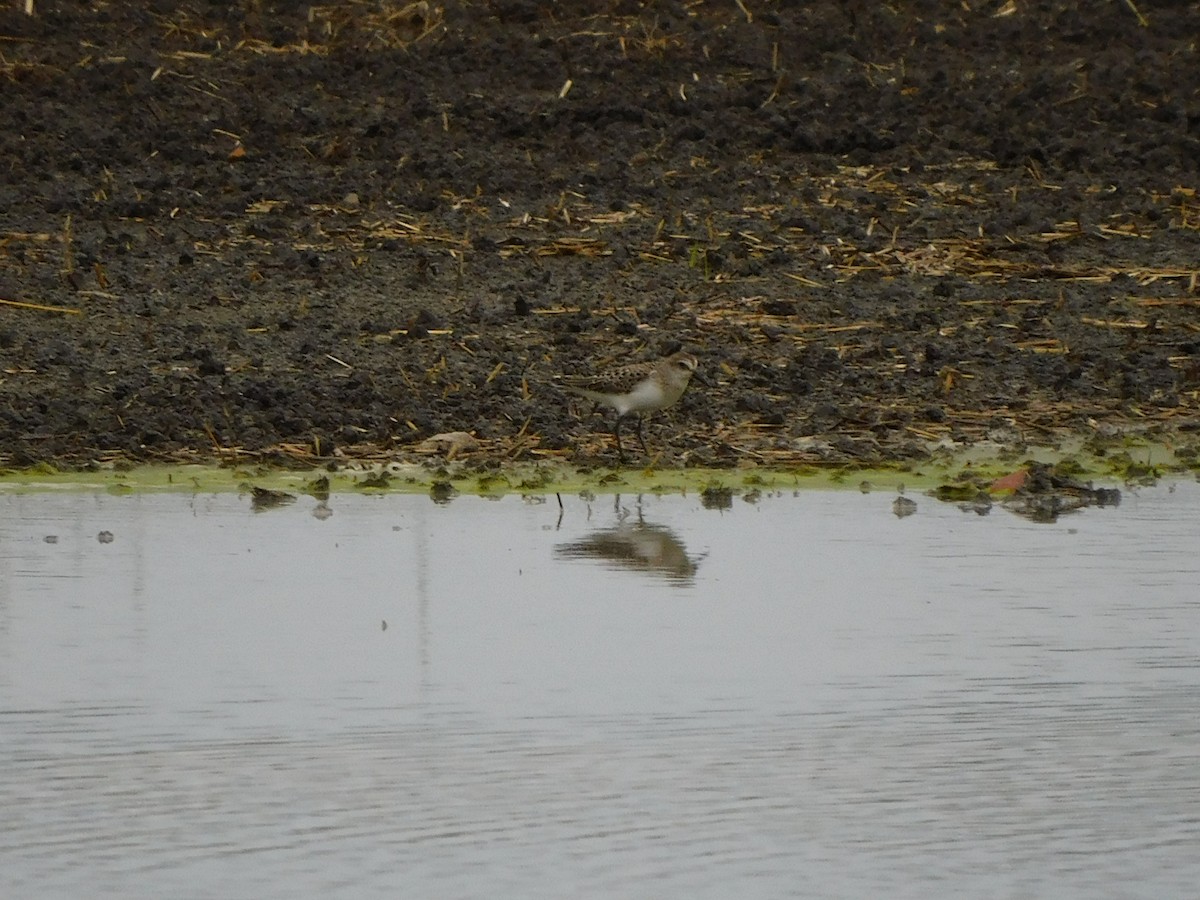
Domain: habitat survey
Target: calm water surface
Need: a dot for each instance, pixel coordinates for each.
(800, 697)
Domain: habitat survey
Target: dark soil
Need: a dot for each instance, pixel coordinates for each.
(293, 231)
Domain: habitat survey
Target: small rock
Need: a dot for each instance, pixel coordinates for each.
(450, 443)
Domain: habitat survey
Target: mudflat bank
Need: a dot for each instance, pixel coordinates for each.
(289, 233)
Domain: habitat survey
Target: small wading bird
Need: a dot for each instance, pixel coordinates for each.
(636, 389)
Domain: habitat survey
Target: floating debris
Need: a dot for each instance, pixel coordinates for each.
(980, 504)
(263, 499)
(379, 480)
(1046, 493)
(318, 488)
(442, 492)
(1040, 492)
(717, 497)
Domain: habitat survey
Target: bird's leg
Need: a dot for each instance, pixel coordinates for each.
(641, 440)
(617, 435)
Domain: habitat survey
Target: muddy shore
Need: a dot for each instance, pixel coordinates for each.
(289, 233)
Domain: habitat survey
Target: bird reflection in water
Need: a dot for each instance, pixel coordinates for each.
(636, 545)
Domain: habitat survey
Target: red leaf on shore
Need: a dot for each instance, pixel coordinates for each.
(1011, 482)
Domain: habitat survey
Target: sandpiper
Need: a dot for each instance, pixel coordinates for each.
(636, 389)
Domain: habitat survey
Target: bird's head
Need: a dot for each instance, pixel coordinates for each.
(684, 362)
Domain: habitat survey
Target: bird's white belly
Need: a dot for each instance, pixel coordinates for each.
(645, 397)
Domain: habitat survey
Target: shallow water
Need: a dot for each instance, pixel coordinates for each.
(805, 696)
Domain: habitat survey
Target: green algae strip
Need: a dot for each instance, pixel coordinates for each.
(540, 478)
(975, 468)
